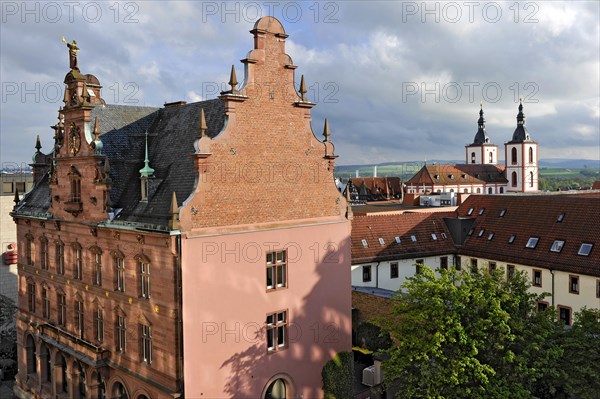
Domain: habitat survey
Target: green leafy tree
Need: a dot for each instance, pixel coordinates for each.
(338, 374)
(463, 335)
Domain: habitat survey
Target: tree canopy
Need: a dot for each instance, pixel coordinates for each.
(473, 335)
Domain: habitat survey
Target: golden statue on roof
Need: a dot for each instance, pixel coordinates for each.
(73, 50)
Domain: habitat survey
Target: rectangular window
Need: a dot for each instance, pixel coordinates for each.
(597, 288)
(541, 306)
(28, 250)
(557, 246)
(394, 270)
(434, 237)
(60, 258)
(381, 241)
(62, 309)
(458, 264)
(397, 240)
(121, 334)
(45, 303)
(144, 268)
(492, 267)
(44, 260)
(7, 187)
(364, 243)
(146, 343)
(99, 325)
(419, 266)
(31, 297)
(537, 278)
(444, 262)
(277, 331)
(119, 274)
(473, 264)
(20, 186)
(79, 318)
(564, 314)
(574, 284)
(78, 266)
(98, 269)
(481, 233)
(413, 238)
(532, 242)
(510, 271)
(276, 270)
(366, 272)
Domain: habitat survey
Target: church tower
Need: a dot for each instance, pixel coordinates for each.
(481, 151)
(521, 155)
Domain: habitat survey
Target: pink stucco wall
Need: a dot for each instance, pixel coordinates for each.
(225, 304)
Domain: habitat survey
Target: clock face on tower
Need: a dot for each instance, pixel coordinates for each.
(74, 139)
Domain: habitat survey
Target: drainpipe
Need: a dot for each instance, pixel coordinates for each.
(180, 322)
(377, 274)
(552, 273)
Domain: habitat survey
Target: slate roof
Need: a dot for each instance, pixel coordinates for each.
(388, 227)
(444, 174)
(535, 216)
(172, 132)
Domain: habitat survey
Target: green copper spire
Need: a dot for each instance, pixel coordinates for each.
(146, 170)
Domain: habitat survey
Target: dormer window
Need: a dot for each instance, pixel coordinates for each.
(585, 249)
(464, 176)
(451, 177)
(532, 242)
(557, 246)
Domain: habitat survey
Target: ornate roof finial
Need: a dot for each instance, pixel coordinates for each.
(202, 123)
(146, 171)
(520, 115)
(302, 89)
(38, 145)
(233, 80)
(326, 132)
(96, 129)
(16, 199)
(73, 50)
(174, 211)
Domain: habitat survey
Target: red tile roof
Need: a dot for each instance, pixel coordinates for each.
(388, 227)
(458, 174)
(535, 216)
(377, 185)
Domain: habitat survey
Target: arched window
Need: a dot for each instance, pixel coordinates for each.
(530, 179)
(75, 179)
(277, 390)
(143, 263)
(64, 383)
(31, 355)
(29, 248)
(491, 157)
(513, 179)
(119, 391)
(47, 364)
(501, 190)
(82, 390)
(119, 270)
(473, 157)
(97, 262)
(99, 324)
(530, 154)
(478, 190)
(60, 257)
(513, 155)
(466, 190)
(490, 190)
(77, 261)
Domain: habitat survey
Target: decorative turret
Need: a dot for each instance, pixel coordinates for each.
(326, 132)
(97, 143)
(233, 81)
(521, 134)
(174, 211)
(302, 89)
(145, 173)
(481, 151)
(40, 162)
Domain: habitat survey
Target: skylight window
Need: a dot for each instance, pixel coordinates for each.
(481, 211)
(502, 213)
(364, 243)
(481, 233)
(512, 239)
(557, 246)
(585, 249)
(413, 238)
(471, 232)
(381, 241)
(434, 236)
(532, 242)
(560, 217)
(470, 211)
(490, 236)
(443, 236)
(397, 240)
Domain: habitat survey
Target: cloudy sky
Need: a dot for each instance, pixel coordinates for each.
(399, 81)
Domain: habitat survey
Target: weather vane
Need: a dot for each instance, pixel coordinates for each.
(73, 50)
